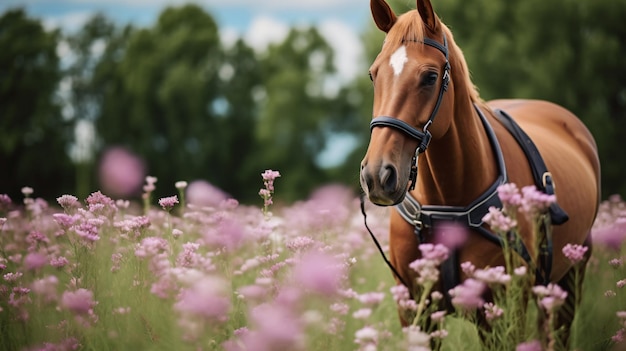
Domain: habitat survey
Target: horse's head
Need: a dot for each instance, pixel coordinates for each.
(410, 76)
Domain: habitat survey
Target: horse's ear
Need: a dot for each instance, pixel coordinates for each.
(383, 15)
(425, 10)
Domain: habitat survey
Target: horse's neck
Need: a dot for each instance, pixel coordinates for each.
(460, 166)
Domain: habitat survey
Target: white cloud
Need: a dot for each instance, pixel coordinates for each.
(251, 4)
(265, 30)
(347, 46)
(229, 36)
(71, 21)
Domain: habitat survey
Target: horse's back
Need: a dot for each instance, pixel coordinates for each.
(570, 154)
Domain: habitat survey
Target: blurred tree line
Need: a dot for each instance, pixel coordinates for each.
(192, 107)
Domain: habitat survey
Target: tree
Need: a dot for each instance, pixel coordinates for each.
(295, 116)
(33, 134)
(161, 98)
(90, 47)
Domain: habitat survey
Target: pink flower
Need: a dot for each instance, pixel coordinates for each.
(509, 195)
(520, 271)
(268, 178)
(58, 262)
(34, 261)
(68, 202)
(79, 301)
(366, 335)
(438, 316)
(551, 297)
(416, 339)
(88, 229)
(616, 262)
(319, 272)
(46, 287)
(427, 269)
(575, 253)
(101, 204)
(151, 246)
(468, 268)
(492, 311)
(64, 220)
(499, 221)
(437, 253)
(450, 234)
(468, 295)
(300, 243)
(188, 258)
(362, 313)
(371, 298)
(275, 327)
(27, 191)
(611, 235)
(5, 202)
(253, 292)
(207, 298)
(400, 293)
(535, 202)
(149, 186)
(533, 345)
(619, 336)
(12, 277)
(168, 202)
(340, 308)
(493, 275)
(121, 172)
(203, 193)
(267, 197)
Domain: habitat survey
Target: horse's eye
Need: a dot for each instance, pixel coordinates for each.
(430, 79)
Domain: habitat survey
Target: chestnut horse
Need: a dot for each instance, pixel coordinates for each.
(426, 105)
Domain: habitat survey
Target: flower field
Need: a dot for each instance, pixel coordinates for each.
(170, 274)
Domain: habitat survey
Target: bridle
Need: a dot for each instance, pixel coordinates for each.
(423, 136)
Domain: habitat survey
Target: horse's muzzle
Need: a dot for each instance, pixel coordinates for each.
(382, 184)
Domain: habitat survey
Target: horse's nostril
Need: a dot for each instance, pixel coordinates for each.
(366, 178)
(388, 178)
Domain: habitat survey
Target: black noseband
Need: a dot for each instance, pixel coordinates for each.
(423, 136)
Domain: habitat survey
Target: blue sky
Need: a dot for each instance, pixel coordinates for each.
(232, 13)
(257, 21)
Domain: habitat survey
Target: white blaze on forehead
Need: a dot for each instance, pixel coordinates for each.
(398, 59)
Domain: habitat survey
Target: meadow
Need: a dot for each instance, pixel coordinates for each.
(171, 274)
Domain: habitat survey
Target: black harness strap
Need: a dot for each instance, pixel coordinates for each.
(544, 182)
(543, 178)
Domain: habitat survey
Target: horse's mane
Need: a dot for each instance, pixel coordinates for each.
(409, 28)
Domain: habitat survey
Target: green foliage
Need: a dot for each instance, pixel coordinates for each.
(296, 112)
(31, 125)
(161, 105)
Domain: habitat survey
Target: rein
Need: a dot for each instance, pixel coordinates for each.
(423, 136)
(380, 249)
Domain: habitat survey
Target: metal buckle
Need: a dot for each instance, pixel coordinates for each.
(544, 180)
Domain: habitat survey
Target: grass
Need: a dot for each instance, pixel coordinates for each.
(233, 277)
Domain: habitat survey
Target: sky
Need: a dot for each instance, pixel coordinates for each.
(259, 22)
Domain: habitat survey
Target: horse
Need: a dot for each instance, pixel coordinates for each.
(426, 105)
